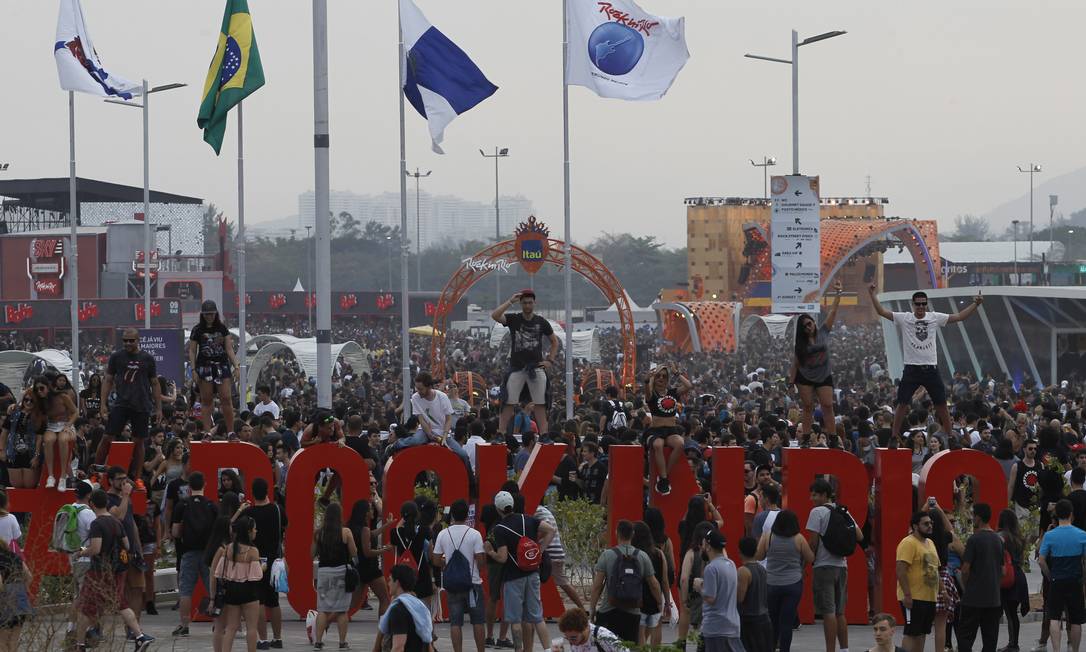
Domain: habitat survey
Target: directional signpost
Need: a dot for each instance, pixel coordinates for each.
(796, 244)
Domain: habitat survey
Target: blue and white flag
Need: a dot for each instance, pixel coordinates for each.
(440, 81)
(78, 65)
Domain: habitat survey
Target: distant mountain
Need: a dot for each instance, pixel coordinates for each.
(1070, 187)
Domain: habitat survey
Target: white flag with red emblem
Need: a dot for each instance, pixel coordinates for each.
(78, 65)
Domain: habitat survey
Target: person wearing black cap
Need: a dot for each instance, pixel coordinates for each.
(526, 364)
(211, 357)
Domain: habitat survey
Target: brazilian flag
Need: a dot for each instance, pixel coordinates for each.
(235, 72)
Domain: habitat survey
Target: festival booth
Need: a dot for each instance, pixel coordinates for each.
(696, 326)
(17, 366)
(305, 352)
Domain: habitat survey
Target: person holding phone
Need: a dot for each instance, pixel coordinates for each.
(918, 333)
(527, 366)
(810, 372)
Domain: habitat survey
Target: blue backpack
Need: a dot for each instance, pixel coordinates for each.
(456, 578)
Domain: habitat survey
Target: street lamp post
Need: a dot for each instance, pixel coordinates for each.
(767, 161)
(146, 190)
(308, 278)
(418, 227)
(1030, 169)
(794, 62)
(1052, 201)
(388, 249)
(499, 153)
(1017, 279)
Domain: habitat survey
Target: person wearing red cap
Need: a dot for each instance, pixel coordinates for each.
(527, 368)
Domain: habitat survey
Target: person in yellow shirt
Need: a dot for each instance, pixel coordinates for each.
(918, 582)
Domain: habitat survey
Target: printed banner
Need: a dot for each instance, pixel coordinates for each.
(796, 244)
(167, 347)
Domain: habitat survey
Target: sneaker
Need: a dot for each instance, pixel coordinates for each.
(62, 484)
(50, 482)
(143, 641)
(504, 644)
(263, 645)
(181, 631)
(276, 644)
(318, 645)
(94, 637)
(366, 606)
(151, 609)
(489, 642)
(663, 486)
(344, 645)
(1040, 647)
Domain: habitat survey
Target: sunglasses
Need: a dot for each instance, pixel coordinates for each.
(920, 304)
(129, 340)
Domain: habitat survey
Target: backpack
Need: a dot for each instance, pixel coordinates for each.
(840, 536)
(65, 529)
(625, 583)
(407, 558)
(618, 417)
(528, 556)
(456, 577)
(1008, 579)
(197, 522)
(119, 557)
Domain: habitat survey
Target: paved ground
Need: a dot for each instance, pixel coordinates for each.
(364, 626)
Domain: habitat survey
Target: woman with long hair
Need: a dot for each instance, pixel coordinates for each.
(651, 610)
(810, 372)
(230, 482)
(333, 548)
(20, 443)
(691, 568)
(90, 398)
(60, 414)
(786, 553)
(1017, 596)
(654, 518)
(237, 564)
(366, 527)
(918, 444)
(211, 357)
(415, 536)
(664, 401)
(697, 510)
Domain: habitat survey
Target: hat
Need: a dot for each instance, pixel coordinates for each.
(715, 539)
(208, 306)
(83, 489)
(527, 292)
(503, 500)
(692, 446)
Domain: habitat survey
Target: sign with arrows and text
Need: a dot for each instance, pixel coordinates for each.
(795, 244)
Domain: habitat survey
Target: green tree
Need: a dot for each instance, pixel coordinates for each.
(968, 228)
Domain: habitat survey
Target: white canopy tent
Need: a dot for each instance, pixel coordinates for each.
(640, 313)
(15, 364)
(777, 325)
(305, 352)
(586, 343)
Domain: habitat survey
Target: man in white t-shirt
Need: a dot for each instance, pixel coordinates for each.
(918, 334)
(459, 536)
(265, 403)
(434, 412)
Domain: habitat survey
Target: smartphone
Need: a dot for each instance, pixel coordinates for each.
(931, 501)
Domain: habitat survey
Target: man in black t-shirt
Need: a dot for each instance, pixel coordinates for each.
(593, 472)
(270, 521)
(400, 624)
(527, 368)
(132, 375)
(982, 570)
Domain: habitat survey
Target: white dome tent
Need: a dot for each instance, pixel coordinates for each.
(305, 352)
(778, 326)
(586, 344)
(14, 365)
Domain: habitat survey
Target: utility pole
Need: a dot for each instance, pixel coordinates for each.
(499, 153)
(418, 227)
(1031, 168)
(767, 161)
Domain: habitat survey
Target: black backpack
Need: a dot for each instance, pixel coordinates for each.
(625, 583)
(840, 536)
(457, 575)
(197, 522)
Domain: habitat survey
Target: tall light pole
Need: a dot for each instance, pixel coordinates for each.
(308, 278)
(146, 190)
(499, 153)
(388, 248)
(1017, 279)
(418, 227)
(794, 62)
(767, 161)
(1030, 169)
(1052, 201)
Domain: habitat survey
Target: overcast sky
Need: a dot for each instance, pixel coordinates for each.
(937, 101)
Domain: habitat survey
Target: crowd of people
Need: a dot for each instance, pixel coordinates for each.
(826, 387)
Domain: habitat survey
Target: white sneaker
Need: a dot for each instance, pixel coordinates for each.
(62, 484)
(50, 482)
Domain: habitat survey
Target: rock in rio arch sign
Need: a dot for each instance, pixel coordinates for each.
(532, 249)
(888, 513)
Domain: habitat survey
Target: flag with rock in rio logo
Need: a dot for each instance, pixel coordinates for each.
(235, 72)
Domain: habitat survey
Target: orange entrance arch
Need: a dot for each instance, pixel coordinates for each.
(502, 254)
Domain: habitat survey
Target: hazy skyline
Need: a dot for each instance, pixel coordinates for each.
(937, 102)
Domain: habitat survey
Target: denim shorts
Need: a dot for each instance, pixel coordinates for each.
(192, 569)
(521, 600)
(461, 603)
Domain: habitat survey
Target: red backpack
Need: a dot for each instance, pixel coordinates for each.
(407, 558)
(529, 555)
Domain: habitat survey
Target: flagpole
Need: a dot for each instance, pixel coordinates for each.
(320, 164)
(243, 379)
(73, 251)
(568, 271)
(146, 211)
(405, 352)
